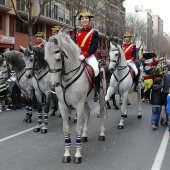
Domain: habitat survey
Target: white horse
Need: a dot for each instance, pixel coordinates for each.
(121, 81)
(68, 75)
(14, 59)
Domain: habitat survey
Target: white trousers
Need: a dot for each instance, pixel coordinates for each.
(132, 64)
(92, 61)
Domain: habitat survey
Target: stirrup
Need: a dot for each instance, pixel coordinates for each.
(96, 97)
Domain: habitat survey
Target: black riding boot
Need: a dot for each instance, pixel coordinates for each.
(136, 83)
(97, 88)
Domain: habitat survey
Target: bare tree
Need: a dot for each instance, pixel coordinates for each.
(30, 20)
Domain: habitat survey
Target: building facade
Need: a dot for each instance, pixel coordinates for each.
(14, 32)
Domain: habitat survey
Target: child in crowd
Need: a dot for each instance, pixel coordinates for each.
(168, 110)
(157, 102)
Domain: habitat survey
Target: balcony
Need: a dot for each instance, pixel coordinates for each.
(5, 5)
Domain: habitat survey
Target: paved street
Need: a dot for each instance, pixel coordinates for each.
(133, 148)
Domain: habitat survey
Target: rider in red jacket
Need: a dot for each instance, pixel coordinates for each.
(87, 39)
(129, 50)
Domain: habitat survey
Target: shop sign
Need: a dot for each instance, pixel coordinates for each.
(6, 40)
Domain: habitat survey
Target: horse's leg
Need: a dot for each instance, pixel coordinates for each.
(110, 92)
(55, 104)
(29, 120)
(65, 112)
(102, 114)
(87, 115)
(27, 109)
(80, 111)
(114, 102)
(39, 123)
(139, 102)
(46, 111)
(123, 110)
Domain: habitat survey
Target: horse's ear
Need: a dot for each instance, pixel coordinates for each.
(22, 48)
(55, 41)
(111, 45)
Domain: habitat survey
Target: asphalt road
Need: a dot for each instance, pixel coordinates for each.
(133, 148)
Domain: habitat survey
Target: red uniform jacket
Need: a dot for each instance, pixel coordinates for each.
(129, 51)
(87, 39)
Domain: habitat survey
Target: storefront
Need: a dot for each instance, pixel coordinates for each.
(6, 43)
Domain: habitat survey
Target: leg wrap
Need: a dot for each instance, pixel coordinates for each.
(67, 141)
(78, 141)
(46, 119)
(27, 109)
(39, 118)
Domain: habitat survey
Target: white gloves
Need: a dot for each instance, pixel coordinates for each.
(81, 57)
(12, 78)
(128, 61)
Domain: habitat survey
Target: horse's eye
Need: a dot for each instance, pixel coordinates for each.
(56, 52)
(58, 60)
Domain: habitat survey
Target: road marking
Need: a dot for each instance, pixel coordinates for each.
(161, 152)
(16, 134)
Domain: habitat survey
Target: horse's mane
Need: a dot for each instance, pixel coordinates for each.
(65, 43)
(15, 58)
(40, 56)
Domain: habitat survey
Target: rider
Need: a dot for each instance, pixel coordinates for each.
(87, 39)
(129, 50)
(40, 36)
(55, 30)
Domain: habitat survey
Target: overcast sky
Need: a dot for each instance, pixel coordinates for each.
(158, 7)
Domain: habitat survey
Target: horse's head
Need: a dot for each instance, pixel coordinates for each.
(4, 67)
(61, 54)
(114, 56)
(55, 60)
(28, 58)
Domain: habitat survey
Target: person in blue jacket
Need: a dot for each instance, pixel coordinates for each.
(168, 109)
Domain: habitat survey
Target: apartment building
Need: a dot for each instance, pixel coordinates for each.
(14, 33)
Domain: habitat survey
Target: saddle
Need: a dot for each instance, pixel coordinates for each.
(91, 76)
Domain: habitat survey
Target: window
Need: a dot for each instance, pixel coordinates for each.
(22, 27)
(2, 2)
(20, 5)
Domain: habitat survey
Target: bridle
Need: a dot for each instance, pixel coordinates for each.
(64, 73)
(118, 67)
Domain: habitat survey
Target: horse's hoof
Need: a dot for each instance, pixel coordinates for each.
(84, 139)
(60, 115)
(139, 116)
(28, 121)
(116, 107)
(77, 160)
(69, 118)
(120, 126)
(125, 116)
(120, 103)
(75, 121)
(101, 138)
(66, 159)
(128, 104)
(43, 131)
(108, 107)
(36, 130)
